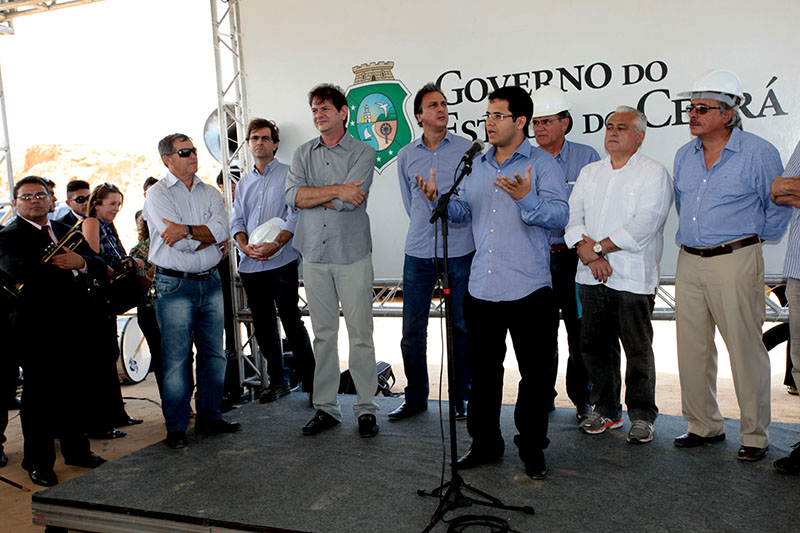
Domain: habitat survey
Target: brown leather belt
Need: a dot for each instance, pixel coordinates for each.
(723, 249)
(558, 247)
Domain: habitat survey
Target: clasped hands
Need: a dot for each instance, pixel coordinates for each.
(601, 269)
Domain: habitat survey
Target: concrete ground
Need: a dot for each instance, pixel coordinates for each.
(142, 402)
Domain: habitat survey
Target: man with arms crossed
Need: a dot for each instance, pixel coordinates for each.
(329, 181)
(186, 219)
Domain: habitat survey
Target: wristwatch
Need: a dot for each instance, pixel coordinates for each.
(598, 249)
(189, 235)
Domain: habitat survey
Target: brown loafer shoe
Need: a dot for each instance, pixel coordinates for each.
(692, 440)
(751, 453)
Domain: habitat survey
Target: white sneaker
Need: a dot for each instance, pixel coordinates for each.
(641, 431)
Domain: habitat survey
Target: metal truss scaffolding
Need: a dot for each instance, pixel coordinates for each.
(232, 117)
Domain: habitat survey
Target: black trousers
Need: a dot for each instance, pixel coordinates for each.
(266, 292)
(532, 322)
(563, 266)
(611, 317)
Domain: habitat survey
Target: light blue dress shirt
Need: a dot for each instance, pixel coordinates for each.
(731, 200)
(259, 198)
(512, 249)
(572, 158)
(416, 158)
(202, 206)
(791, 269)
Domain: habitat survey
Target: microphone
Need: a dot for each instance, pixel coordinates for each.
(477, 146)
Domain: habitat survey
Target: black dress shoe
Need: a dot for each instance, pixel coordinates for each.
(367, 425)
(44, 478)
(407, 410)
(471, 459)
(751, 453)
(461, 410)
(319, 423)
(692, 440)
(131, 422)
(216, 426)
(113, 433)
(536, 468)
(271, 393)
(3, 459)
(89, 461)
(177, 439)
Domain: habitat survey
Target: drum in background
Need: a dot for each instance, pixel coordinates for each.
(134, 361)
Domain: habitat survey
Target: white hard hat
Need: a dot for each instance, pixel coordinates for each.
(548, 100)
(716, 84)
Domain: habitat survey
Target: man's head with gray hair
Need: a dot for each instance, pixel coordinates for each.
(640, 120)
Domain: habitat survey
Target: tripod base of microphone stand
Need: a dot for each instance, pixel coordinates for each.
(452, 496)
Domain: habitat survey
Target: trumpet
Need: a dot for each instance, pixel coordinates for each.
(70, 241)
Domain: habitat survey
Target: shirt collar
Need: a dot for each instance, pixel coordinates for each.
(524, 150)
(344, 142)
(267, 169)
(734, 143)
(34, 224)
(419, 144)
(172, 180)
(564, 153)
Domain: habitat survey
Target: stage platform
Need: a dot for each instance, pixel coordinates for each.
(270, 477)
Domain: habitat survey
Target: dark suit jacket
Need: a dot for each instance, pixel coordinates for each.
(21, 248)
(69, 219)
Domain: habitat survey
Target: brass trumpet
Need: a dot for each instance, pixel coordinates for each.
(70, 241)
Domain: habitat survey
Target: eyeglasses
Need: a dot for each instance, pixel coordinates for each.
(184, 152)
(80, 199)
(256, 138)
(496, 116)
(545, 121)
(28, 196)
(701, 109)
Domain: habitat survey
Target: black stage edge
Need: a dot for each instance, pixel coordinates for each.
(272, 478)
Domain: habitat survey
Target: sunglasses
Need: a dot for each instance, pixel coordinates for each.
(701, 109)
(28, 196)
(80, 199)
(184, 152)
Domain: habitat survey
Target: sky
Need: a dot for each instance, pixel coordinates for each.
(118, 74)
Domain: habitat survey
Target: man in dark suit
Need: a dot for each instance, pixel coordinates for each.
(78, 202)
(50, 405)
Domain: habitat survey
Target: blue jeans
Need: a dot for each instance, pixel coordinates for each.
(419, 279)
(189, 309)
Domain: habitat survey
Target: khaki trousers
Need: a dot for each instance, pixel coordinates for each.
(726, 291)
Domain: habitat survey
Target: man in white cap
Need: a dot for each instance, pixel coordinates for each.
(722, 194)
(551, 122)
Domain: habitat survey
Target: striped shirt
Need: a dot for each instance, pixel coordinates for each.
(791, 268)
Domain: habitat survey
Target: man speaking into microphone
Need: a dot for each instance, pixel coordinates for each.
(437, 152)
(514, 197)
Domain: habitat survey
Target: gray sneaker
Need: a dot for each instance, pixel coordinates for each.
(596, 423)
(641, 431)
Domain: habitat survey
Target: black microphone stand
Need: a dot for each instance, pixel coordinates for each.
(451, 494)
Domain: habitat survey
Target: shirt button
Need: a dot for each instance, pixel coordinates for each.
(494, 210)
(489, 271)
(490, 251)
(694, 218)
(704, 181)
(491, 231)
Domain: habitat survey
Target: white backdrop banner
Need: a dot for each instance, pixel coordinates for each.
(603, 54)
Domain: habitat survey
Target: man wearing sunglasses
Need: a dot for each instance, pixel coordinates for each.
(186, 219)
(77, 196)
(722, 194)
(551, 123)
(513, 198)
